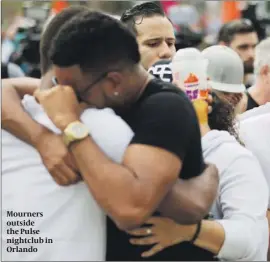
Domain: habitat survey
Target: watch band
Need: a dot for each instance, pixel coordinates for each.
(66, 140)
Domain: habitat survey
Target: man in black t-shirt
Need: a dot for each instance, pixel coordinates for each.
(162, 117)
(105, 72)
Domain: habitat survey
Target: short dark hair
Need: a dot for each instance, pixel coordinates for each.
(96, 42)
(50, 32)
(230, 29)
(148, 9)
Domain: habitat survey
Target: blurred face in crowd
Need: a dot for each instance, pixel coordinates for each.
(244, 45)
(155, 36)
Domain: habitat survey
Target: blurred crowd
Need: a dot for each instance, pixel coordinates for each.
(195, 25)
(184, 173)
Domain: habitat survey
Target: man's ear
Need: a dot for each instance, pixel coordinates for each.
(116, 79)
(264, 73)
(264, 70)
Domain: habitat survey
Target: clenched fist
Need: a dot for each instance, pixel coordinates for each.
(57, 159)
(61, 105)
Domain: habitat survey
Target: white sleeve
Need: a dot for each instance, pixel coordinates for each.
(257, 111)
(7, 50)
(109, 131)
(243, 200)
(254, 132)
(14, 71)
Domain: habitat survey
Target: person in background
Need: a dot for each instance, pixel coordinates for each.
(7, 47)
(259, 93)
(10, 70)
(238, 230)
(162, 70)
(153, 30)
(241, 36)
(187, 15)
(225, 72)
(254, 131)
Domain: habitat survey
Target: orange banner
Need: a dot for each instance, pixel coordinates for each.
(230, 11)
(58, 6)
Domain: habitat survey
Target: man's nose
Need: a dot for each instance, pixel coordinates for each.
(165, 51)
(251, 52)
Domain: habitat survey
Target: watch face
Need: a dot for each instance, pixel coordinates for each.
(79, 130)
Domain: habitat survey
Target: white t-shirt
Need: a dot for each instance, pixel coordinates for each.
(242, 198)
(68, 215)
(255, 133)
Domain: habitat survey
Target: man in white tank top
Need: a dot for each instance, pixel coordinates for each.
(43, 221)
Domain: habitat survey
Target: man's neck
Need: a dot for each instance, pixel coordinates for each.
(140, 80)
(137, 84)
(260, 93)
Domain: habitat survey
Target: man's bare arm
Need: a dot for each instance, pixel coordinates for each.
(189, 201)
(132, 191)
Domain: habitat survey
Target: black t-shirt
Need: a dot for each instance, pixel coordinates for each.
(162, 117)
(251, 103)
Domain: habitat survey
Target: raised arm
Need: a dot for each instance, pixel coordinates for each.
(15, 120)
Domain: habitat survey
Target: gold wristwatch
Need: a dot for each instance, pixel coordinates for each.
(75, 131)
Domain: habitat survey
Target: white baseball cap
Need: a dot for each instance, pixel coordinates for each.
(225, 69)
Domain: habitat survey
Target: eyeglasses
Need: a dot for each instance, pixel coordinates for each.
(89, 87)
(84, 92)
